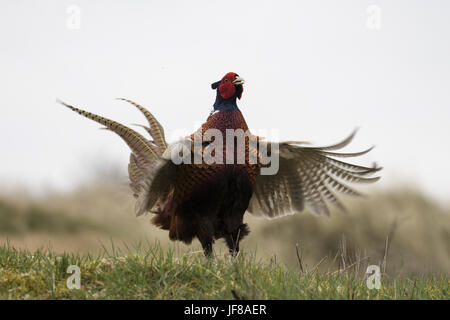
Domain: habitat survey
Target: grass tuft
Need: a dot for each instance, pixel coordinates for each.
(153, 273)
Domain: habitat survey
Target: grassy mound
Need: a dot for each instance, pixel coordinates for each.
(154, 273)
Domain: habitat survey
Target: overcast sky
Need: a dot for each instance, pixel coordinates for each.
(314, 70)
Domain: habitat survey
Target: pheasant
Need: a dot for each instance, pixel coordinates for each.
(207, 200)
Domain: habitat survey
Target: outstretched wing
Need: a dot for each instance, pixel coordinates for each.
(145, 164)
(307, 177)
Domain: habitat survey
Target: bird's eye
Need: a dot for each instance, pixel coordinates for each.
(226, 80)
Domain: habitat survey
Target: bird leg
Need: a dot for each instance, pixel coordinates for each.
(207, 247)
(233, 244)
(232, 240)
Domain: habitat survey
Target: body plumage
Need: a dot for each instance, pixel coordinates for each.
(209, 200)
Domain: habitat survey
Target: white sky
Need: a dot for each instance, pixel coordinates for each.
(313, 70)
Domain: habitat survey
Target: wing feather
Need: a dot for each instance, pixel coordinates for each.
(307, 177)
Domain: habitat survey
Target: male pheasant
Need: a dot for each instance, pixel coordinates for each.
(208, 199)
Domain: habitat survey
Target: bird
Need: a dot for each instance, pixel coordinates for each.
(207, 200)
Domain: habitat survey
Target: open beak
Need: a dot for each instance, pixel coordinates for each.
(238, 81)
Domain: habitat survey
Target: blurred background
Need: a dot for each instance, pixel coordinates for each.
(314, 71)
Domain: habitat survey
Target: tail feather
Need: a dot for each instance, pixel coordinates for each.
(156, 130)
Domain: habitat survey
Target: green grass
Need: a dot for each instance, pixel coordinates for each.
(152, 273)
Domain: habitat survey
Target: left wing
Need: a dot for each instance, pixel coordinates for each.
(307, 177)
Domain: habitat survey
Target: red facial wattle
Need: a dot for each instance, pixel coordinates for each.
(226, 88)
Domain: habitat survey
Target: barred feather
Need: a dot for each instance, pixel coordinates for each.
(307, 177)
(156, 130)
(135, 173)
(144, 154)
(137, 143)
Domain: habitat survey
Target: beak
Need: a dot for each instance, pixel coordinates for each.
(238, 81)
